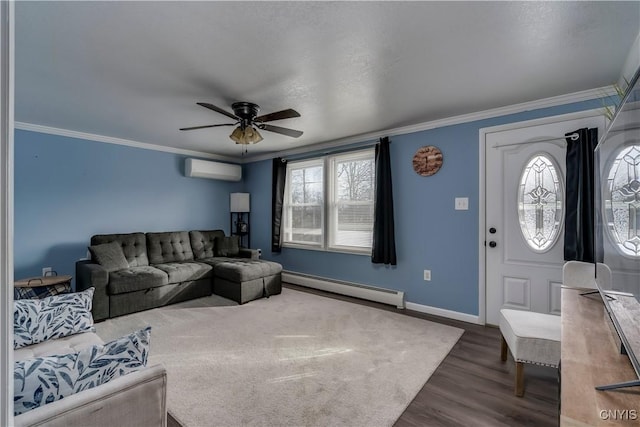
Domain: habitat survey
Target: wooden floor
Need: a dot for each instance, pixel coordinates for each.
(472, 387)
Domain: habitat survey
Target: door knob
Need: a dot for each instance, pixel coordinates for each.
(493, 244)
(492, 230)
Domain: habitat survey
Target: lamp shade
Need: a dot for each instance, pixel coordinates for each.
(239, 202)
(245, 135)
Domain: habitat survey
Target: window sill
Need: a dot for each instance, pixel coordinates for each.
(362, 252)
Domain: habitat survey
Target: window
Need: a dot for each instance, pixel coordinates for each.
(623, 204)
(329, 202)
(540, 203)
(304, 203)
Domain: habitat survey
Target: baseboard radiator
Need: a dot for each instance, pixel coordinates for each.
(370, 293)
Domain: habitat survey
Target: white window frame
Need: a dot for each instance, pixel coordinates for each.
(329, 218)
(286, 217)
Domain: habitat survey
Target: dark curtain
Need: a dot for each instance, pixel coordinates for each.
(277, 201)
(579, 216)
(383, 250)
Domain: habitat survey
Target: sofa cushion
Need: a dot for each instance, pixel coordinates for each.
(109, 255)
(43, 380)
(172, 246)
(203, 242)
(227, 246)
(38, 320)
(136, 278)
(242, 270)
(217, 260)
(179, 272)
(134, 246)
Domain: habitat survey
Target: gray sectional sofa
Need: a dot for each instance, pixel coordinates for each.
(156, 269)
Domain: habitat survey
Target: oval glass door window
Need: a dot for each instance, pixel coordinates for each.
(623, 213)
(540, 203)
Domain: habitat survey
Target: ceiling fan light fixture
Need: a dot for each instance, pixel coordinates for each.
(245, 115)
(237, 135)
(248, 135)
(252, 135)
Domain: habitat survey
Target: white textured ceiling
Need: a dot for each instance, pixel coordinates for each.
(135, 70)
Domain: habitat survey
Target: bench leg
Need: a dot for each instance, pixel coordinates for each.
(503, 349)
(519, 379)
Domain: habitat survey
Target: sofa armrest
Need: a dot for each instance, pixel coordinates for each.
(135, 399)
(249, 253)
(89, 274)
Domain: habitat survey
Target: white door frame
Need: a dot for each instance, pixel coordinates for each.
(6, 209)
(482, 287)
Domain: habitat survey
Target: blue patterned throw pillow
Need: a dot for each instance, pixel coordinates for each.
(38, 320)
(99, 364)
(43, 380)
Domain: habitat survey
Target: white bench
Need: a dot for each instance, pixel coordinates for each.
(532, 338)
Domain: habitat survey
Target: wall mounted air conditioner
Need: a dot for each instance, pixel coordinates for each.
(196, 168)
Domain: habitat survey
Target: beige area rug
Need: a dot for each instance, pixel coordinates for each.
(294, 359)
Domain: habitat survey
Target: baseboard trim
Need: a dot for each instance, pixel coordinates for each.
(358, 290)
(449, 314)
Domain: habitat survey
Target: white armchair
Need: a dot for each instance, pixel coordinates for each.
(136, 399)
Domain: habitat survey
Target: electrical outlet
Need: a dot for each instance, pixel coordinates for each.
(427, 275)
(46, 270)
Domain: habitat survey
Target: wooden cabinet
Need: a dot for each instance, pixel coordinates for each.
(591, 357)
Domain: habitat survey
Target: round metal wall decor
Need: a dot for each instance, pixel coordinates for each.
(427, 160)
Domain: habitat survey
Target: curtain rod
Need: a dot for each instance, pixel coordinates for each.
(334, 150)
(573, 136)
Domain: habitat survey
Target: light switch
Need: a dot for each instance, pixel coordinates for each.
(462, 203)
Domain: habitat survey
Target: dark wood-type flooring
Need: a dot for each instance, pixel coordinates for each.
(472, 387)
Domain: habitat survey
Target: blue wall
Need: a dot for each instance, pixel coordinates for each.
(430, 234)
(68, 189)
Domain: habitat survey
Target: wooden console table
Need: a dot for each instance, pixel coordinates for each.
(591, 357)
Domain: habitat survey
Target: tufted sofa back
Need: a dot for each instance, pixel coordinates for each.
(203, 242)
(134, 246)
(171, 246)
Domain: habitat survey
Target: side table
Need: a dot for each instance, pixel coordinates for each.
(41, 287)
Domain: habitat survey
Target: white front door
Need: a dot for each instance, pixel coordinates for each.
(524, 214)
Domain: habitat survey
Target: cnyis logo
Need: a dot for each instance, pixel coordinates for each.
(618, 414)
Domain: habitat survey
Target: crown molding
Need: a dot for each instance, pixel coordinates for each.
(356, 139)
(119, 141)
(555, 101)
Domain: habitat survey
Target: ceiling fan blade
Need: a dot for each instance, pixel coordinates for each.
(278, 115)
(217, 110)
(207, 126)
(284, 131)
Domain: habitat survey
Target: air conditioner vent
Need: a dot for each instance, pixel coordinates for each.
(195, 168)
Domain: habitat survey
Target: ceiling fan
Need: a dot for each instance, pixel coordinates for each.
(246, 117)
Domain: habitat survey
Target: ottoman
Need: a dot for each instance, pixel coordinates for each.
(532, 338)
(244, 280)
